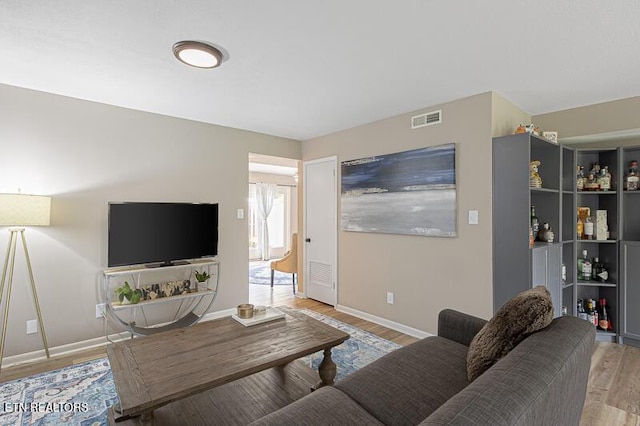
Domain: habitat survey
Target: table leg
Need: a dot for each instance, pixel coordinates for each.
(326, 370)
(147, 419)
(115, 417)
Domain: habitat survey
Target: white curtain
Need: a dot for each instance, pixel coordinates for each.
(265, 194)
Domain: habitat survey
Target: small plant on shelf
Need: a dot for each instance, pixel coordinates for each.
(201, 276)
(127, 295)
(201, 279)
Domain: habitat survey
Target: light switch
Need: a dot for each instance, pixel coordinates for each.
(473, 217)
(240, 213)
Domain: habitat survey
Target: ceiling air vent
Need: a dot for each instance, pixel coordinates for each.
(427, 119)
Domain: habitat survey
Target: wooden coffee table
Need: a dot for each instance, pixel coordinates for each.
(153, 371)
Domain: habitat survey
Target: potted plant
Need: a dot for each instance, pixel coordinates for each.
(127, 295)
(201, 279)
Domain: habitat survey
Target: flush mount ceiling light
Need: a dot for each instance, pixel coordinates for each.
(197, 54)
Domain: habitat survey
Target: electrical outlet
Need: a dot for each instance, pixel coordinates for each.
(390, 298)
(32, 327)
(100, 310)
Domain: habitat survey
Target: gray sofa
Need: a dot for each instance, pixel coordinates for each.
(542, 381)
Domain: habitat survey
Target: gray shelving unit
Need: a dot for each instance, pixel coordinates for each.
(568, 206)
(516, 267)
(629, 276)
(605, 250)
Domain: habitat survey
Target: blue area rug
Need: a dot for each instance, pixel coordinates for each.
(81, 394)
(260, 273)
(76, 395)
(356, 352)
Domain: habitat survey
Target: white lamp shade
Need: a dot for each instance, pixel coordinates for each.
(24, 210)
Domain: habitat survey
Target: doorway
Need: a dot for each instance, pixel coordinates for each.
(272, 218)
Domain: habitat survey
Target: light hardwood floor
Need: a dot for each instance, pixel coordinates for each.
(613, 394)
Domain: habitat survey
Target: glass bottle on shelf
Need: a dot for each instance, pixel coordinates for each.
(603, 322)
(582, 314)
(598, 271)
(605, 179)
(584, 267)
(590, 183)
(632, 180)
(531, 239)
(580, 178)
(599, 180)
(580, 228)
(579, 266)
(535, 225)
(588, 229)
(583, 212)
(602, 274)
(590, 315)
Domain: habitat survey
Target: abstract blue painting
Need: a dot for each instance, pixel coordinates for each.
(411, 192)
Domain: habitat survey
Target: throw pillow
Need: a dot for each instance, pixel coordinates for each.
(527, 312)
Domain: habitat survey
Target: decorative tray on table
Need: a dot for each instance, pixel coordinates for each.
(270, 314)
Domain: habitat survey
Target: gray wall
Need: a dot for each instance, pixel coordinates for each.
(425, 274)
(86, 154)
(607, 117)
(505, 116)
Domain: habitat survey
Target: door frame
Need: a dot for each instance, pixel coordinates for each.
(334, 223)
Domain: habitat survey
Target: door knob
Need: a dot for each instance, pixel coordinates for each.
(308, 240)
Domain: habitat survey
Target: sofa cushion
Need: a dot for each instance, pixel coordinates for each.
(408, 384)
(326, 406)
(529, 311)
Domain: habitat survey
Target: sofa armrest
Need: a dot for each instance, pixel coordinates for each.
(459, 327)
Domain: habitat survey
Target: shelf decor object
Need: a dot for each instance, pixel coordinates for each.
(18, 211)
(534, 176)
(270, 314)
(201, 280)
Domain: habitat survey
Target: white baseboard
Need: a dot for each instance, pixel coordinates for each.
(218, 314)
(384, 322)
(68, 349)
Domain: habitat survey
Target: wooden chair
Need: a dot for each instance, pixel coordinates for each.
(289, 263)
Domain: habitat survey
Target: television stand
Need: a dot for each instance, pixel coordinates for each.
(160, 309)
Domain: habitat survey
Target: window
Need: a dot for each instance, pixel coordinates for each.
(278, 223)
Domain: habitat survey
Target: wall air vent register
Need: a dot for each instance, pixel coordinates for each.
(427, 119)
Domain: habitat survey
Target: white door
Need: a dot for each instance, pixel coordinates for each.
(320, 230)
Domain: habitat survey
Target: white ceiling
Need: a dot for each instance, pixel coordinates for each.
(302, 69)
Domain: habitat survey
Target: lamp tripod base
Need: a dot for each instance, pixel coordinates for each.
(8, 278)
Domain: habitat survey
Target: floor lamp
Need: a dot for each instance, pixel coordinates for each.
(17, 211)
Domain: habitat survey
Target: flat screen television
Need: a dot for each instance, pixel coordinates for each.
(161, 234)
